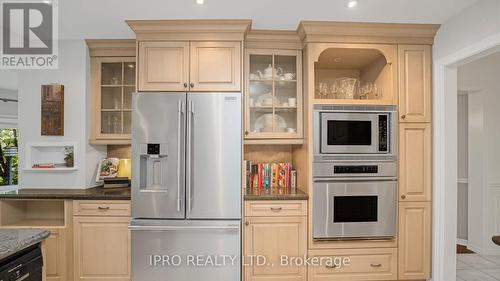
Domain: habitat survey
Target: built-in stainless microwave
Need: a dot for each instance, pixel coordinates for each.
(354, 129)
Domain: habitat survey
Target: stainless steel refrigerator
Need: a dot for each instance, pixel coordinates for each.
(186, 186)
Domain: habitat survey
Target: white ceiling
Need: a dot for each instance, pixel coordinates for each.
(105, 18)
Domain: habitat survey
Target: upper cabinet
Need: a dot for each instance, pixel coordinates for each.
(415, 83)
(190, 55)
(273, 94)
(215, 66)
(163, 66)
(193, 66)
(113, 71)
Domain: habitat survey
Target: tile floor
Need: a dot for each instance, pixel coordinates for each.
(474, 267)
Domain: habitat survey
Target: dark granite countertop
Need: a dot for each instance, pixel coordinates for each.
(95, 193)
(15, 240)
(300, 195)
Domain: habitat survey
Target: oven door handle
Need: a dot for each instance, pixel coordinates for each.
(365, 179)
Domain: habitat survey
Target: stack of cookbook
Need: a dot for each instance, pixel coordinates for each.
(270, 178)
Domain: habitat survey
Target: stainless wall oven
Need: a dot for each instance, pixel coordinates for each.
(354, 200)
(354, 129)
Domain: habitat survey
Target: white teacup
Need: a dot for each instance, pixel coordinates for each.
(254, 76)
(291, 130)
(292, 102)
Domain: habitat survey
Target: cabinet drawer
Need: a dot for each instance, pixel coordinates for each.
(275, 208)
(102, 208)
(365, 264)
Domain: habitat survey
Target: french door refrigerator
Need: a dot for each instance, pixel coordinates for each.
(186, 194)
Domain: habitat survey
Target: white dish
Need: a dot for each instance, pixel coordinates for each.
(267, 100)
(265, 123)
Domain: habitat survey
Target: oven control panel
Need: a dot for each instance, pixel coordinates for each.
(363, 169)
(382, 133)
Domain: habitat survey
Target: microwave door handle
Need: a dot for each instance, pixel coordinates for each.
(364, 179)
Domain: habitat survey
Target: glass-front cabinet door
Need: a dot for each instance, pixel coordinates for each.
(273, 96)
(113, 85)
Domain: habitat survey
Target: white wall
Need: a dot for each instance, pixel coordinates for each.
(8, 89)
(72, 73)
(106, 19)
(462, 190)
(480, 79)
(473, 24)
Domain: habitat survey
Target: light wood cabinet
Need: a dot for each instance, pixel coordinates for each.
(273, 96)
(113, 82)
(163, 66)
(363, 264)
(215, 66)
(273, 237)
(113, 76)
(415, 162)
(415, 96)
(55, 255)
(101, 240)
(415, 234)
(189, 66)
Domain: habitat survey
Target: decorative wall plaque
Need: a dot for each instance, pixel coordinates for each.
(52, 121)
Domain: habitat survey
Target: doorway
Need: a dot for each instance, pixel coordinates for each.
(445, 162)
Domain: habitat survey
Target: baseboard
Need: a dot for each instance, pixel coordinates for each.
(462, 242)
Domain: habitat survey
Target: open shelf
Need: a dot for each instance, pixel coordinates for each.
(346, 75)
(32, 213)
(49, 153)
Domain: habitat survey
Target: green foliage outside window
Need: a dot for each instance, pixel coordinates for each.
(8, 164)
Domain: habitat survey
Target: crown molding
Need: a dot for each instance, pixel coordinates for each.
(111, 47)
(185, 30)
(357, 32)
(273, 39)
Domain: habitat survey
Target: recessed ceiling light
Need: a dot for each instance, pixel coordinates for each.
(200, 2)
(352, 3)
(337, 60)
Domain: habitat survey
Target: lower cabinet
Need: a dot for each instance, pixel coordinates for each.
(415, 234)
(55, 255)
(101, 245)
(361, 264)
(273, 235)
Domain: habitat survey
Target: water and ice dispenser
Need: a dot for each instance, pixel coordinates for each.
(153, 166)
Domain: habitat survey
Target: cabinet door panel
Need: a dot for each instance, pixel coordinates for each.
(163, 66)
(414, 257)
(102, 248)
(215, 66)
(415, 83)
(415, 162)
(55, 262)
(272, 238)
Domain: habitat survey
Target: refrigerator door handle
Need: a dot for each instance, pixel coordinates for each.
(186, 228)
(180, 111)
(189, 155)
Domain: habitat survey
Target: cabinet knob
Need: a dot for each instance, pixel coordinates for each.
(192, 85)
(246, 133)
(276, 209)
(375, 264)
(331, 266)
(403, 116)
(185, 85)
(403, 196)
(247, 223)
(103, 208)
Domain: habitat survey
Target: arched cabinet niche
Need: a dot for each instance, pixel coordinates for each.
(355, 73)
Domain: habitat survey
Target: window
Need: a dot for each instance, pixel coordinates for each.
(8, 156)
